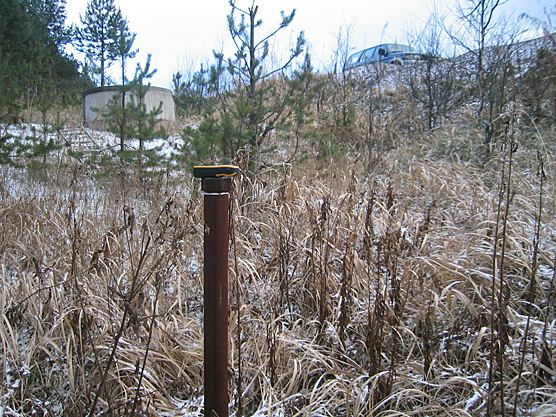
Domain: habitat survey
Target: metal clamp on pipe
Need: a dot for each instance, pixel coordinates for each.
(215, 171)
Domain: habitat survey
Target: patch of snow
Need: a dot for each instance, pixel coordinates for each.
(481, 393)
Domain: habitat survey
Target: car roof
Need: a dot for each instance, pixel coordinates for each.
(354, 59)
(389, 45)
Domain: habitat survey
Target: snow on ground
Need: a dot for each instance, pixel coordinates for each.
(84, 139)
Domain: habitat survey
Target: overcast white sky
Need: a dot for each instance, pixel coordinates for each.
(182, 33)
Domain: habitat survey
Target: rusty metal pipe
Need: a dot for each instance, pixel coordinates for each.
(216, 204)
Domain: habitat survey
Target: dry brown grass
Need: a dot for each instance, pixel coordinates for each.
(350, 295)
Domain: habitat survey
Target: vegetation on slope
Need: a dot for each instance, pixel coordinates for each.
(424, 289)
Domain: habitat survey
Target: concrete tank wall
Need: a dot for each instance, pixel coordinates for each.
(96, 100)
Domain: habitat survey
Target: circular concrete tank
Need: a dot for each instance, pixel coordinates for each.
(96, 100)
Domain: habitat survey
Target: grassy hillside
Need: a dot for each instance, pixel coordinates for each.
(423, 287)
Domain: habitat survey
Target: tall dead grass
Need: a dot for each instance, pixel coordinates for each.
(349, 295)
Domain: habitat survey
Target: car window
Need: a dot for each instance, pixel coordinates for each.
(354, 58)
(369, 55)
(400, 48)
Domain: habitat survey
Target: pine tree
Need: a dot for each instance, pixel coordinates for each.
(249, 104)
(32, 36)
(50, 16)
(123, 47)
(98, 36)
(144, 126)
(15, 40)
(250, 68)
(118, 113)
(32, 62)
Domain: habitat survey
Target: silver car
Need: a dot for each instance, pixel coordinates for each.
(388, 53)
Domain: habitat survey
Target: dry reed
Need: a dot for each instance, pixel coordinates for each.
(350, 295)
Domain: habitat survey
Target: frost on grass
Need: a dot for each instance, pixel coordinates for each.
(348, 295)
